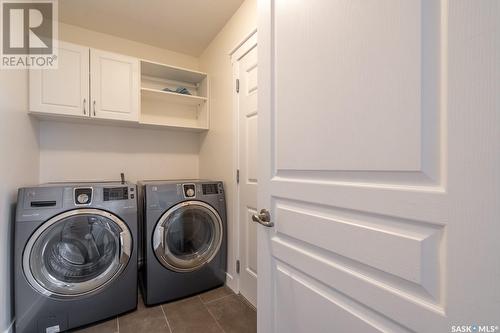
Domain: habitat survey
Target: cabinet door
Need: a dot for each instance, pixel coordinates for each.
(114, 86)
(64, 90)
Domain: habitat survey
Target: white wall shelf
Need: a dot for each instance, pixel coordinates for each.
(161, 108)
(154, 69)
(158, 125)
(172, 97)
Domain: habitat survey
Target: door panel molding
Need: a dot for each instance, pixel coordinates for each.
(389, 247)
(350, 315)
(427, 150)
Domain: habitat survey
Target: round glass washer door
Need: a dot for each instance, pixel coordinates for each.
(188, 236)
(77, 253)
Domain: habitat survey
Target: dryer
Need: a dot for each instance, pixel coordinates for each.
(75, 255)
(184, 238)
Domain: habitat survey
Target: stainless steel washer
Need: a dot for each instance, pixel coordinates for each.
(184, 235)
(75, 255)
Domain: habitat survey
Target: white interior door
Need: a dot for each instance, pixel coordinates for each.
(115, 84)
(64, 90)
(379, 131)
(245, 70)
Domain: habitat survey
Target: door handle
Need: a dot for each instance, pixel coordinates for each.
(94, 107)
(159, 239)
(264, 218)
(162, 239)
(85, 106)
(124, 248)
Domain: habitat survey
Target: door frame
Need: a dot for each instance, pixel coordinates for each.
(240, 49)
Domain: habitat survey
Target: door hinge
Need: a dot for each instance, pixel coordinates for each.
(238, 176)
(237, 85)
(237, 267)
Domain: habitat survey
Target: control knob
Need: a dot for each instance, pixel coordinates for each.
(82, 198)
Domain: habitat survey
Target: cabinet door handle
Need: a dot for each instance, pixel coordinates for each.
(84, 106)
(94, 108)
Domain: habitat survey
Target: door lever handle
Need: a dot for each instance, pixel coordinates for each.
(264, 218)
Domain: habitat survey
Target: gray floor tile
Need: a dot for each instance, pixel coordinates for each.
(144, 319)
(190, 316)
(234, 315)
(216, 311)
(216, 294)
(109, 326)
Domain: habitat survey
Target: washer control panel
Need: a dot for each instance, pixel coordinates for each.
(211, 188)
(117, 193)
(83, 196)
(189, 190)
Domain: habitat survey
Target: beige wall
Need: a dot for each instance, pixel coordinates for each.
(18, 167)
(70, 152)
(77, 35)
(216, 151)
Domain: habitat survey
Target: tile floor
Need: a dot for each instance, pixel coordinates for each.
(215, 311)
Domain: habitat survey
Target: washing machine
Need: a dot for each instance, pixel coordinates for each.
(75, 255)
(184, 238)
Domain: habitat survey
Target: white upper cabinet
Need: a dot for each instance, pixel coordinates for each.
(64, 90)
(97, 85)
(114, 86)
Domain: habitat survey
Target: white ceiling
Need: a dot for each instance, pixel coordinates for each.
(185, 26)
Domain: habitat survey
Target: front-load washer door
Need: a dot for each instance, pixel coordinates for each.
(77, 253)
(188, 236)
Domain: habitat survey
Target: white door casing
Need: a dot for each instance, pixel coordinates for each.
(379, 141)
(245, 70)
(114, 86)
(64, 90)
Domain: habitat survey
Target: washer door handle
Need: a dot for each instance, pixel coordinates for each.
(159, 238)
(162, 236)
(124, 247)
